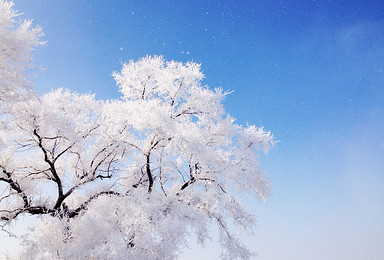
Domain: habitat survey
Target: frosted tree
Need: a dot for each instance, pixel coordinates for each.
(130, 178)
(17, 39)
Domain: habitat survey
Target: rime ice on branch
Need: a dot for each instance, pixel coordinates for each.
(129, 178)
(17, 39)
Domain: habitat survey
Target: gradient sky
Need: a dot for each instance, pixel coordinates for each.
(311, 72)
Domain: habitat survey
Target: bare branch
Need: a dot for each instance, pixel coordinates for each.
(15, 186)
(56, 177)
(149, 174)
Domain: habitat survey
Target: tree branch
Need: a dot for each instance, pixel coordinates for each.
(15, 186)
(83, 206)
(51, 164)
(149, 174)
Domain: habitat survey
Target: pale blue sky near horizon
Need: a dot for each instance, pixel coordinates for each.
(311, 72)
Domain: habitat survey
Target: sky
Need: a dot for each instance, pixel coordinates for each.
(311, 72)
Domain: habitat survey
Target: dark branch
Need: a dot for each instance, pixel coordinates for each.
(149, 174)
(187, 112)
(15, 186)
(186, 184)
(193, 180)
(83, 206)
(52, 168)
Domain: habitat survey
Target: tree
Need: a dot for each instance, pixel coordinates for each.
(17, 39)
(130, 178)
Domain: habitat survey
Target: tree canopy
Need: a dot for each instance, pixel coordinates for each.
(129, 178)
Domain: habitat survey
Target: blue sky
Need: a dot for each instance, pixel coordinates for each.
(311, 72)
